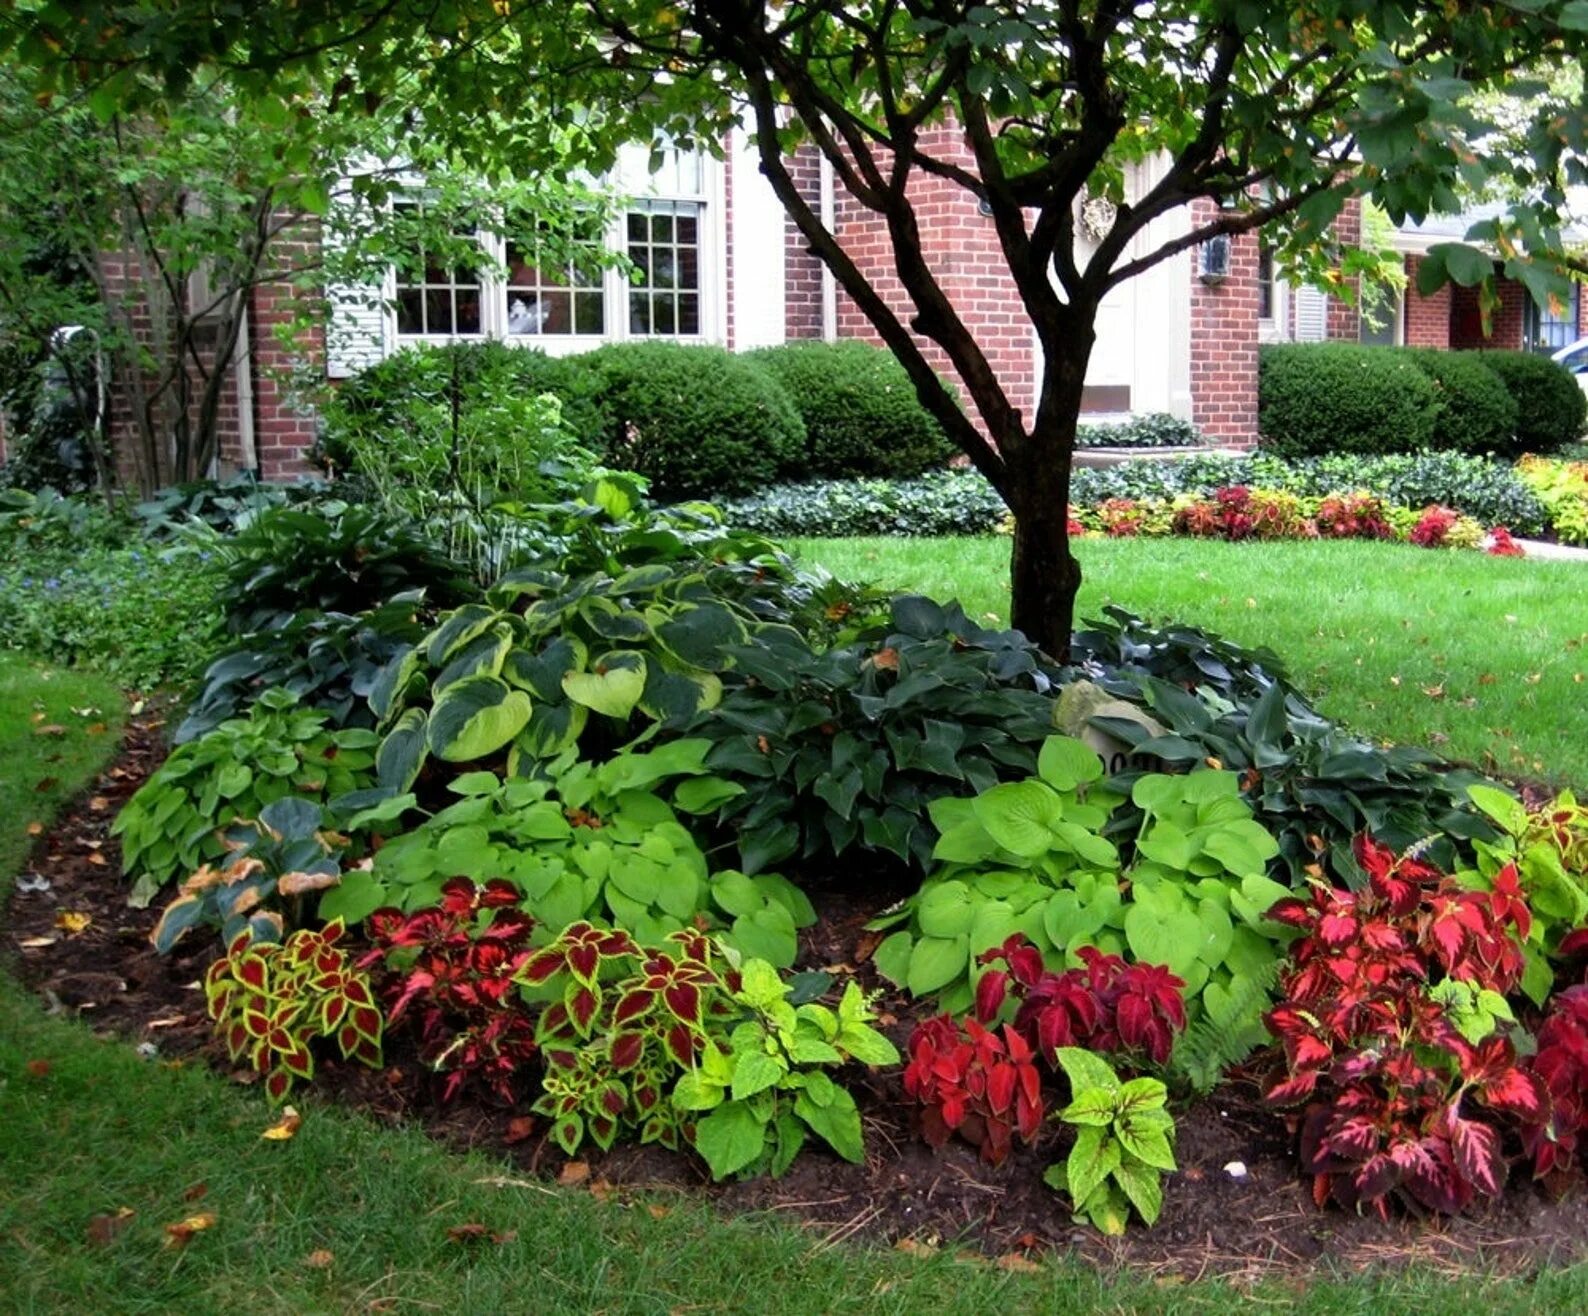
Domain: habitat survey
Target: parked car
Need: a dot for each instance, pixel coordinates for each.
(1574, 356)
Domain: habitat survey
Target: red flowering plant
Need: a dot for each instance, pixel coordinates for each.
(1352, 516)
(1390, 1018)
(1502, 545)
(625, 1021)
(984, 1083)
(452, 965)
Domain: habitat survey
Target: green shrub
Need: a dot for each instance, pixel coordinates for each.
(951, 502)
(142, 616)
(1477, 413)
(1551, 409)
(409, 397)
(1339, 397)
(860, 411)
(1156, 429)
(695, 421)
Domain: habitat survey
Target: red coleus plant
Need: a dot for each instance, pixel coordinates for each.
(1352, 516)
(1501, 544)
(1403, 1102)
(1561, 1064)
(974, 1082)
(1105, 1005)
(452, 966)
(630, 1020)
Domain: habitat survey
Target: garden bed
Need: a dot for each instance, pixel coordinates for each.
(905, 1194)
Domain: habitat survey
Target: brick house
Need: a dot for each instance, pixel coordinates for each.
(722, 264)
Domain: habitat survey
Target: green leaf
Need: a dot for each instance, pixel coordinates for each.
(1504, 808)
(1145, 1142)
(1065, 763)
(1086, 1071)
(730, 1139)
(1266, 724)
(1143, 1187)
(837, 1123)
(475, 716)
(613, 692)
(753, 1072)
(402, 753)
(935, 962)
(354, 899)
(1465, 265)
(892, 957)
(1019, 816)
(1094, 1157)
(1093, 1106)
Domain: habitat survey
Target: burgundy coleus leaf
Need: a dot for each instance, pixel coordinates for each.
(459, 897)
(1476, 1151)
(542, 965)
(990, 993)
(625, 1049)
(582, 1003)
(680, 1043)
(683, 999)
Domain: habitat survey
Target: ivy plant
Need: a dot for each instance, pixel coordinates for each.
(174, 823)
(1124, 1143)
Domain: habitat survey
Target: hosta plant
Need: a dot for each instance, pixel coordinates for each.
(1411, 1085)
(980, 1083)
(175, 821)
(1546, 848)
(1124, 1143)
(272, 1001)
(845, 749)
(274, 863)
(450, 968)
(586, 842)
(1034, 859)
(755, 1098)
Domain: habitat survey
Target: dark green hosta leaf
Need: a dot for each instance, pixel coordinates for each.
(552, 727)
(702, 636)
(292, 819)
(541, 673)
(481, 656)
(456, 630)
(475, 717)
(403, 752)
(762, 847)
(919, 617)
(678, 696)
(1266, 724)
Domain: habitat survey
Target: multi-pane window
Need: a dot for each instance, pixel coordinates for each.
(1550, 327)
(1265, 281)
(545, 295)
(664, 245)
(435, 299)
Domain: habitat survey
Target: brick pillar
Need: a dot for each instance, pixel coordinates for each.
(802, 287)
(1224, 341)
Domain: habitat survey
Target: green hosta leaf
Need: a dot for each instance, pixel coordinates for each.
(1160, 935)
(935, 962)
(612, 692)
(702, 635)
(541, 673)
(767, 934)
(705, 794)
(753, 1072)
(1019, 816)
(1094, 1157)
(1505, 809)
(1143, 1187)
(402, 753)
(670, 696)
(552, 728)
(481, 656)
(354, 899)
(730, 1139)
(945, 910)
(456, 630)
(1065, 763)
(892, 957)
(837, 1123)
(475, 717)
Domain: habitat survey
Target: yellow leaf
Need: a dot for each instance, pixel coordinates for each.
(71, 922)
(181, 1233)
(285, 1127)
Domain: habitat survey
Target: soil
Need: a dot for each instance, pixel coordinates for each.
(1261, 1223)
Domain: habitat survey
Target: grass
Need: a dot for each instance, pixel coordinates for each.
(1484, 659)
(349, 1216)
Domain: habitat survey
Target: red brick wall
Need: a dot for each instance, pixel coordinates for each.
(1224, 341)
(802, 271)
(1505, 328)
(283, 430)
(1345, 316)
(1426, 320)
(964, 255)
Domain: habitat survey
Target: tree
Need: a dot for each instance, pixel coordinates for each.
(1261, 115)
(173, 210)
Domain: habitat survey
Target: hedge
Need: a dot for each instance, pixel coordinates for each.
(1477, 412)
(1551, 408)
(1316, 398)
(860, 411)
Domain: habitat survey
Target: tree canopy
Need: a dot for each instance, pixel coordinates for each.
(1260, 115)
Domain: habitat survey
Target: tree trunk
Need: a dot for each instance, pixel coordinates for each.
(1044, 574)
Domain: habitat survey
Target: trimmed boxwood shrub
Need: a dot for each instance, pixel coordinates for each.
(696, 421)
(412, 389)
(860, 411)
(1551, 409)
(1315, 398)
(1476, 410)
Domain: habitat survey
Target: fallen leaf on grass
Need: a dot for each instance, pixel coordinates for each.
(181, 1233)
(96, 859)
(519, 1128)
(657, 1211)
(915, 1247)
(102, 1229)
(99, 803)
(38, 1068)
(72, 922)
(602, 1190)
(319, 1259)
(474, 1232)
(1017, 1261)
(35, 829)
(285, 1127)
(1488, 678)
(98, 728)
(573, 1174)
(44, 785)
(1434, 691)
(36, 943)
(195, 1192)
(50, 729)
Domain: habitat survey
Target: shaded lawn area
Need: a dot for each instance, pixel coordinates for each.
(1483, 659)
(349, 1216)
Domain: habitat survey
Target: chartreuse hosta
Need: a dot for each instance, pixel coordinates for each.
(584, 841)
(1039, 857)
(1549, 848)
(523, 672)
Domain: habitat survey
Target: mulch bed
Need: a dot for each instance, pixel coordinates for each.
(906, 1194)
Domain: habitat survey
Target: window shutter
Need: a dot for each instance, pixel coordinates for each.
(1312, 315)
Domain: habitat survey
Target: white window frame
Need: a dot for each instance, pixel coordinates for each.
(1275, 327)
(633, 179)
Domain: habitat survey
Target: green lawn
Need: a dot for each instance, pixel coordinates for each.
(349, 1216)
(1482, 658)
